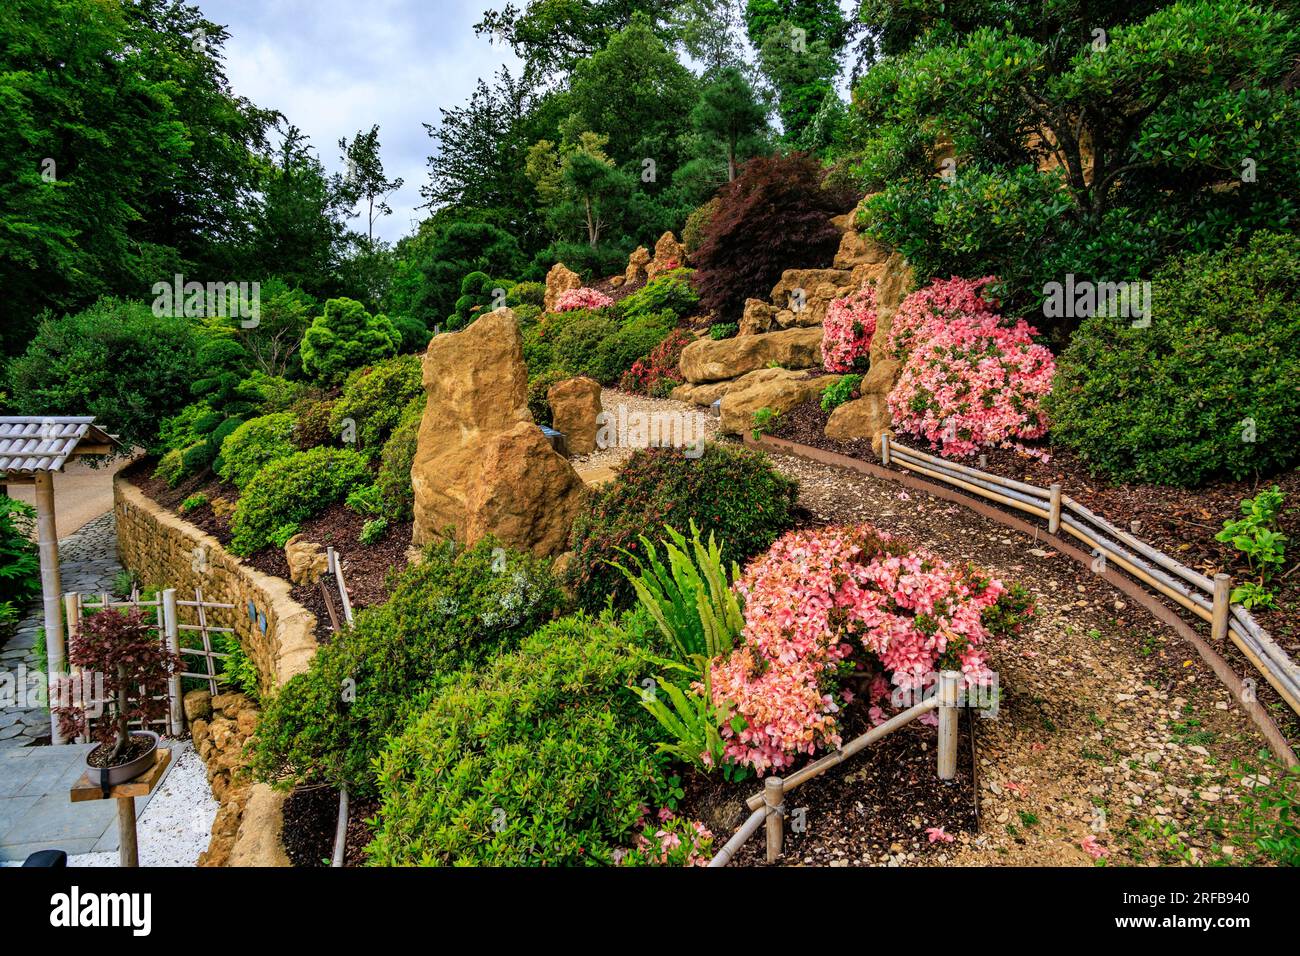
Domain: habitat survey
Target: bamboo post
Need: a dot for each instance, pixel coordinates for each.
(1222, 600)
(949, 682)
(884, 449)
(47, 537)
(128, 853)
(1054, 509)
(172, 632)
(774, 798)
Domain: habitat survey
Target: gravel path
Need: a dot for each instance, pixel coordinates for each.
(617, 404)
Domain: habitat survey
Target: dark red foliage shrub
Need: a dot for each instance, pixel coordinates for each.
(657, 373)
(774, 216)
(126, 649)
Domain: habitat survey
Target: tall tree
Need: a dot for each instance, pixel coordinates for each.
(799, 44)
(364, 179)
(729, 116)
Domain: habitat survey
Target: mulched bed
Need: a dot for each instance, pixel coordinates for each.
(368, 570)
(873, 809)
(311, 817)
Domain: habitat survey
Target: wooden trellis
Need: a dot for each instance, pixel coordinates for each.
(166, 613)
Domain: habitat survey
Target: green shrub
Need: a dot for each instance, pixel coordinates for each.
(192, 502)
(238, 671)
(373, 399)
(345, 336)
(723, 330)
(116, 361)
(839, 392)
(539, 759)
(697, 224)
(456, 608)
(637, 337)
(526, 315)
(1210, 387)
(394, 480)
(20, 577)
(414, 335)
(373, 530)
(731, 492)
(526, 293)
(277, 394)
(170, 467)
(366, 500)
(479, 293)
(291, 490)
(538, 386)
(254, 444)
(672, 291)
(311, 423)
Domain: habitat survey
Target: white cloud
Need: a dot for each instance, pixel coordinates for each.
(334, 67)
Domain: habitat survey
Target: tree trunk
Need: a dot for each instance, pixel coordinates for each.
(123, 731)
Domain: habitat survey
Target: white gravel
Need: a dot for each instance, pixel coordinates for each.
(612, 398)
(177, 822)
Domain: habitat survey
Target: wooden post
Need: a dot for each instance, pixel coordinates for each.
(171, 630)
(1054, 509)
(47, 537)
(774, 798)
(949, 682)
(128, 853)
(884, 449)
(1222, 600)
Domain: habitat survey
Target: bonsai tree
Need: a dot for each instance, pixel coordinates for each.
(125, 648)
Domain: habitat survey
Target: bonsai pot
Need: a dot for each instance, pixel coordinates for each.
(111, 776)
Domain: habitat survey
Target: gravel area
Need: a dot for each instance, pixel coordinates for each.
(177, 823)
(619, 403)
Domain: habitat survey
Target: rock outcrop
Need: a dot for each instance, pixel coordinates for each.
(867, 416)
(669, 254)
(710, 360)
(778, 389)
(481, 465)
(559, 279)
(636, 265)
(219, 738)
(307, 560)
(575, 404)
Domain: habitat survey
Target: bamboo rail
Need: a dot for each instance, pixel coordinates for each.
(1208, 599)
(768, 806)
(335, 567)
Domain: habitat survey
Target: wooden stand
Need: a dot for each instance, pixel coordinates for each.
(125, 794)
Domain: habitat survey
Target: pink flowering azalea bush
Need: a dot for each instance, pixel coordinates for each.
(970, 378)
(827, 604)
(584, 298)
(938, 304)
(669, 840)
(847, 331)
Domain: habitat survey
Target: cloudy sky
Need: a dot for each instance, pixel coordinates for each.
(334, 67)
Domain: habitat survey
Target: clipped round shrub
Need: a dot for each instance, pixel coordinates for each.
(539, 759)
(1211, 387)
(256, 443)
(672, 291)
(311, 422)
(394, 479)
(697, 224)
(478, 293)
(291, 490)
(456, 608)
(847, 331)
(734, 493)
(526, 293)
(345, 336)
(373, 399)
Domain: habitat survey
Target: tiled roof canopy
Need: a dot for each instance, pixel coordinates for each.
(34, 444)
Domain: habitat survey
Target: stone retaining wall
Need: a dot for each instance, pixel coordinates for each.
(279, 636)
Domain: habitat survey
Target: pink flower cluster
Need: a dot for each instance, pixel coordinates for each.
(810, 602)
(939, 303)
(661, 843)
(970, 378)
(847, 330)
(584, 298)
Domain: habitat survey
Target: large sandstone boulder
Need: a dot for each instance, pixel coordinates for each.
(560, 279)
(481, 465)
(865, 417)
(779, 390)
(575, 403)
(806, 293)
(307, 560)
(669, 254)
(895, 282)
(636, 265)
(707, 360)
